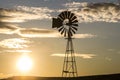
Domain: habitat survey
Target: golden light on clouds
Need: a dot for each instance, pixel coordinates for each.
(84, 56)
(95, 12)
(24, 63)
(14, 43)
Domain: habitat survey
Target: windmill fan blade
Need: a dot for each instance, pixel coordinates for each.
(74, 28)
(60, 29)
(75, 25)
(65, 13)
(72, 31)
(71, 15)
(62, 15)
(75, 21)
(65, 34)
(63, 31)
(60, 18)
(73, 18)
(69, 32)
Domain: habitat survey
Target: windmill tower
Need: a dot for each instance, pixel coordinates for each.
(66, 23)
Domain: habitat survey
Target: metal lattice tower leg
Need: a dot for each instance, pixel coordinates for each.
(69, 66)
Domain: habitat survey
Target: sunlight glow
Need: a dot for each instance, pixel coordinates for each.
(24, 63)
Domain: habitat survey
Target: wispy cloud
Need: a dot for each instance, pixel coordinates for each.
(21, 13)
(110, 49)
(45, 33)
(18, 51)
(93, 12)
(14, 51)
(14, 43)
(84, 56)
(84, 36)
(76, 4)
(86, 12)
(6, 28)
(36, 32)
(2, 75)
(8, 17)
(37, 12)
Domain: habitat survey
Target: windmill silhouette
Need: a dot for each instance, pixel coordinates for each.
(66, 23)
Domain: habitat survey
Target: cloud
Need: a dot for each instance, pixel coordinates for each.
(110, 49)
(84, 56)
(94, 12)
(14, 43)
(36, 32)
(10, 16)
(6, 28)
(4, 50)
(37, 12)
(86, 12)
(2, 75)
(76, 4)
(84, 36)
(21, 13)
(18, 51)
(45, 33)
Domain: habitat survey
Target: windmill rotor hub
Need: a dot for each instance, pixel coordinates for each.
(66, 21)
(65, 24)
(66, 27)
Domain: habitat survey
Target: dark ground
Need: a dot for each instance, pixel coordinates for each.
(96, 77)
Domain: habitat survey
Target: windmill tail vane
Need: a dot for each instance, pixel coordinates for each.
(67, 25)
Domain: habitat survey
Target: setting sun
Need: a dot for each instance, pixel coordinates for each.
(24, 63)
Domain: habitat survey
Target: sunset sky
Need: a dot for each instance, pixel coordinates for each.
(26, 29)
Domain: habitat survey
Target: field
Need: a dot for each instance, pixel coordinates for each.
(96, 77)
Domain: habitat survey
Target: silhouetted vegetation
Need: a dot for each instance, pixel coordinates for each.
(97, 77)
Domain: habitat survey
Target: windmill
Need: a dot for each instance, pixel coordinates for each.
(66, 23)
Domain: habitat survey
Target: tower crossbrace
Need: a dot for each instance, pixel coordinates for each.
(69, 65)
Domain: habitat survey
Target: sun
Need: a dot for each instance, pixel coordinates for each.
(24, 63)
